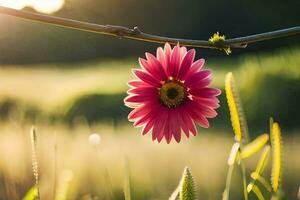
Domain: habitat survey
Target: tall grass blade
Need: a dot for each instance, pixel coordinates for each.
(262, 180)
(237, 117)
(187, 186)
(231, 161)
(259, 167)
(243, 170)
(54, 166)
(276, 156)
(226, 192)
(34, 161)
(254, 146)
(127, 185)
(258, 193)
(63, 186)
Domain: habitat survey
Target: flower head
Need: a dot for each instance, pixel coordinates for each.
(94, 139)
(171, 94)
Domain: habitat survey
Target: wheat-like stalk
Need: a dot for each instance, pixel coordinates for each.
(237, 117)
(35, 166)
(276, 156)
(254, 146)
(187, 186)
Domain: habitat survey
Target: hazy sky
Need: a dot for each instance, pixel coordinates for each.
(44, 6)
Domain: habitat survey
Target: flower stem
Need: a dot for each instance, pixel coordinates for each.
(136, 34)
(228, 182)
(244, 179)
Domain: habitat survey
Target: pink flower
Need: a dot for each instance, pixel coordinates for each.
(171, 94)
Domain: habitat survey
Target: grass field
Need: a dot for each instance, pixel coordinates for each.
(84, 172)
(155, 168)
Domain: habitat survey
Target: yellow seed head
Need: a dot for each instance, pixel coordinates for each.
(276, 156)
(236, 112)
(256, 145)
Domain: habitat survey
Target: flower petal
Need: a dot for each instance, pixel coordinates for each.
(163, 120)
(167, 57)
(196, 67)
(167, 130)
(202, 83)
(137, 112)
(206, 111)
(174, 126)
(212, 102)
(143, 110)
(153, 66)
(143, 91)
(144, 76)
(182, 123)
(198, 117)
(189, 122)
(148, 126)
(138, 99)
(175, 61)
(145, 119)
(183, 51)
(137, 83)
(186, 63)
(194, 79)
(205, 92)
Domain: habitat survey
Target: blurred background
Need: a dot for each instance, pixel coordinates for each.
(73, 83)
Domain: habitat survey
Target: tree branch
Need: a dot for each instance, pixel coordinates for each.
(137, 34)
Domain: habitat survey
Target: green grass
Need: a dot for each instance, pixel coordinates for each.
(155, 168)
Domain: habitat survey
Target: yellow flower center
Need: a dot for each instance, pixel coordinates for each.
(172, 93)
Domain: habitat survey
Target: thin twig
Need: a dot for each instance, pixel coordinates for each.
(136, 34)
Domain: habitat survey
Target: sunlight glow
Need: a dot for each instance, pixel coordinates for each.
(16, 4)
(44, 6)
